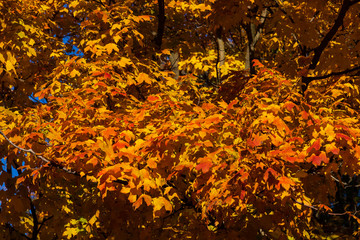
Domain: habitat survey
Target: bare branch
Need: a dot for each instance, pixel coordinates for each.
(161, 24)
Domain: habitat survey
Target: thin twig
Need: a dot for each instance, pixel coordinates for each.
(52, 163)
(329, 213)
(39, 156)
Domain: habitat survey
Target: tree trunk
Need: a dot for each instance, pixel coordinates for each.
(221, 53)
(174, 61)
(253, 37)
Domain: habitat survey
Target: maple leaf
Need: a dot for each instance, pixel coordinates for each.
(143, 106)
(204, 166)
(318, 159)
(285, 182)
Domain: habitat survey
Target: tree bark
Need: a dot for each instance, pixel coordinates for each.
(161, 24)
(253, 37)
(326, 40)
(221, 53)
(174, 61)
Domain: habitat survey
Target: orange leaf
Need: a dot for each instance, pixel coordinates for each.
(107, 76)
(272, 171)
(317, 160)
(289, 105)
(257, 140)
(19, 180)
(153, 98)
(167, 205)
(231, 104)
(138, 203)
(285, 182)
(95, 74)
(102, 84)
(120, 144)
(204, 166)
(340, 135)
(207, 143)
(332, 148)
(108, 132)
(316, 145)
(326, 208)
(93, 161)
(257, 63)
(152, 163)
(208, 106)
(304, 115)
(147, 199)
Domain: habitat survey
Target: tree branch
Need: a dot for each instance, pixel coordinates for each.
(35, 232)
(333, 74)
(329, 36)
(11, 229)
(326, 40)
(52, 163)
(317, 209)
(161, 24)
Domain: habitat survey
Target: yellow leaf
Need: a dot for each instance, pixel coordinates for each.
(124, 61)
(116, 38)
(66, 209)
(161, 202)
(9, 66)
(70, 232)
(223, 104)
(94, 218)
(31, 42)
(143, 77)
(138, 203)
(152, 163)
(132, 198)
(2, 59)
(21, 34)
(31, 52)
(74, 73)
(110, 47)
(73, 4)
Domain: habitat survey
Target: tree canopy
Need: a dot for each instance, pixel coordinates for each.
(200, 119)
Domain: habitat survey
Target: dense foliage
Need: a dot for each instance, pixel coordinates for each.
(214, 119)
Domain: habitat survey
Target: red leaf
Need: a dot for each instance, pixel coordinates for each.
(97, 74)
(120, 144)
(100, 84)
(257, 63)
(107, 76)
(204, 166)
(289, 105)
(153, 98)
(340, 135)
